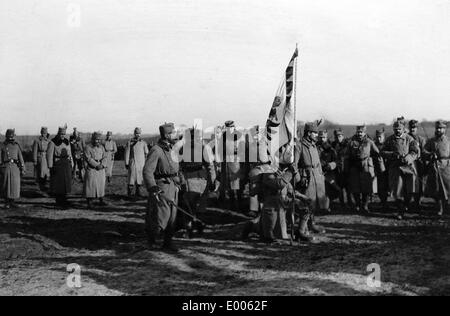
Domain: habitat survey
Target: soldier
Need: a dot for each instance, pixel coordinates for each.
(413, 129)
(96, 161)
(40, 147)
(401, 151)
(77, 147)
(381, 172)
(360, 151)
(12, 166)
(340, 145)
(231, 168)
(437, 152)
(328, 160)
(111, 150)
(310, 180)
(199, 174)
(162, 178)
(136, 152)
(60, 163)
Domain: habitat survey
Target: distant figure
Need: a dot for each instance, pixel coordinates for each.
(111, 150)
(328, 160)
(12, 166)
(401, 150)
(96, 162)
(77, 147)
(136, 152)
(381, 172)
(339, 145)
(59, 158)
(413, 132)
(437, 153)
(41, 170)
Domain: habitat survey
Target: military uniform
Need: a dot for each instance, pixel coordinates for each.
(136, 152)
(340, 147)
(361, 168)
(401, 151)
(418, 163)
(437, 153)
(328, 160)
(12, 166)
(111, 150)
(381, 173)
(95, 161)
(40, 147)
(161, 176)
(77, 148)
(59, 158)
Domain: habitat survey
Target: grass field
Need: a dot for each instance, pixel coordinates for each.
(37, 242)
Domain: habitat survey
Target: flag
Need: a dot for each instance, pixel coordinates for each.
(280, 126)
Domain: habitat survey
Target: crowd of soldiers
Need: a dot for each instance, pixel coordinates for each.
(283, 198)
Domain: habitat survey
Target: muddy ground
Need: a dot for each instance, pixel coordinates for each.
(37, 242)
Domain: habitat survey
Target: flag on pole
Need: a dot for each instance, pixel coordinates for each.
(281, 124)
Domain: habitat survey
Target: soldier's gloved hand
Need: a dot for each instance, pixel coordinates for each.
(155, 191)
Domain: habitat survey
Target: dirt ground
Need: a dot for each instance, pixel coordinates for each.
(37, 242)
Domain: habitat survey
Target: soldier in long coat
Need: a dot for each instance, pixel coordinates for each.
(328, 159)
(310, 179)
(419, 179)
(59, 159)
(400, 151)
(361, 150)
(136, 152)
(94, 177)
(199, 174)
(77, 148)
(40, 147)
(111, 150)
(437, 153)
(340, 146)
(381, 172)
(12, 166)
(162, 178)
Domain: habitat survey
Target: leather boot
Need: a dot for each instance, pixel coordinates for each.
(316, 229)
(357, 198)
(168, 245)
(365, 203)
(303, 233)
(89, 204)
(130, 190)
(401, 210)
(248, 228)
(440, 206)
(139, 191)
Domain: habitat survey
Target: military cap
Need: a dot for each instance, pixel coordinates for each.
(361, 128)
(138, 130)
(323, 133)
(63, 129)
(311, 127)
(96, 135)
(379, 132)
(441, 124)
(166, 128)
(413, 123)
(10, 133)
(399, 123)
(44, 129)
(338, 132)
(229, 123)
(109, 133)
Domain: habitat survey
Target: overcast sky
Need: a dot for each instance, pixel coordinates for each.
(140, 63)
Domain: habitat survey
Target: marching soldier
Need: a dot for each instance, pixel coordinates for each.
(136, 152)
(311, 181)
(40, 147)
(111, 150)
(401, 151)
(162, 178)
(95, 161)
(77, 147)
(198, 171)
(328, 160)
(419, 179)
(60, 163)
(12, 166)
(361, 150)
(437, 152)
(381, 172)
(340, 145)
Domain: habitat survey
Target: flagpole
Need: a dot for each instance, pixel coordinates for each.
(293, 147)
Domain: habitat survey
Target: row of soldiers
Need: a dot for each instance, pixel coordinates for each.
(401, 163)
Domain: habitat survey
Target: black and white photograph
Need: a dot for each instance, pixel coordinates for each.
(224, 153)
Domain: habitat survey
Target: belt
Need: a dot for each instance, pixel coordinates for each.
(10, 161)
(165, 176)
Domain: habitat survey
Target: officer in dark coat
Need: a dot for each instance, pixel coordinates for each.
(437, 154)
(162, 178)
(77, 146)
(381, 172)
(329, 160)
(12, 166)
(401, 150)
(340, 145)
(419, 179)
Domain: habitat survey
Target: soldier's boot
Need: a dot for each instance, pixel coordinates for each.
(139, 191)
(102, 202)
(384, 205)
(89, 204)
(313, 227)
(402, 209)
(417, 205)
(130, 190)
(365, 203)
(168, 244)
(7, 204)
(440, 207)
(108, 179)
(342, 200)
(357, 198)
(189, 234)
(248, 229)
(303, 233)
